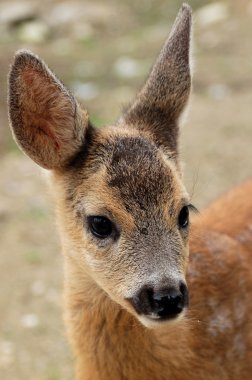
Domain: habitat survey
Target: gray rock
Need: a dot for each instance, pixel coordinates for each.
(66, 13)
(82, 31)
(29, 321)
(85, 91)
(212, 13)
(33, 32)
(12, 14)
(218, 91)
(127, 67)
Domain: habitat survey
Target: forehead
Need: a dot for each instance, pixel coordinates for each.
(124, 170)
(138, 171)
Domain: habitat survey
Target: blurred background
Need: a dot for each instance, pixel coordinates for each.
(103, 50)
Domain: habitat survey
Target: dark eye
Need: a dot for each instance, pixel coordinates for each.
(183, 219)
(100, 226)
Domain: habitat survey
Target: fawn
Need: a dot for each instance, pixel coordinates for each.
(123, 214)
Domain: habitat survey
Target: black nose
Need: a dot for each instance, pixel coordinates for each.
(163, 303)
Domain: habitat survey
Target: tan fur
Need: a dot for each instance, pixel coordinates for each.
(129, 173)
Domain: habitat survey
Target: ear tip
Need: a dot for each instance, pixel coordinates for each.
(24, 52)
(182, 24)
(186, 8)
(22, 59)
(185, 12)
(24, 56)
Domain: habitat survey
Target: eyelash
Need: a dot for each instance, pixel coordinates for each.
(193, 208)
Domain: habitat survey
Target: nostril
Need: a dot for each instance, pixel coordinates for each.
(182, 287)
(150, 297)
(184, 291)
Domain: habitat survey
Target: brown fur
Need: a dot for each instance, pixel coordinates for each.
(130, 174)
(43, 113)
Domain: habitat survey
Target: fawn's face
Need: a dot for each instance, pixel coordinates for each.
(125, 220)
(123, 209)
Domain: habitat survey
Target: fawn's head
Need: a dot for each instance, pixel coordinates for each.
(122, 207)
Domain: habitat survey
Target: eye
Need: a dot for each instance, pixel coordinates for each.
(183, 219)
(100, 226)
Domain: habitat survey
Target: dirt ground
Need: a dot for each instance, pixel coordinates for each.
(103, 51)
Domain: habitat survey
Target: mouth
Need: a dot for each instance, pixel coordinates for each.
(154, 321)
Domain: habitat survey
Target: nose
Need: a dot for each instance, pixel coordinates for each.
(162, 303)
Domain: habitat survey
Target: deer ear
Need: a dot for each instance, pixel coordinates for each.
(165, 93)
(46, 120)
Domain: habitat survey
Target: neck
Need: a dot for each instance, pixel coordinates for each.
(106, 338)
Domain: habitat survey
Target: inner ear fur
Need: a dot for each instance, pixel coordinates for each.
(163, 97)
(46, 120)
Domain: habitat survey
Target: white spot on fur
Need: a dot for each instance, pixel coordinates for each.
(237, 349)
(239, 344)
(221, 322)
(239, 310)
(246, 235)
(192, 272)
(212, 303)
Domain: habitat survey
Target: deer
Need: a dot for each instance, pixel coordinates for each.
(151, 291)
